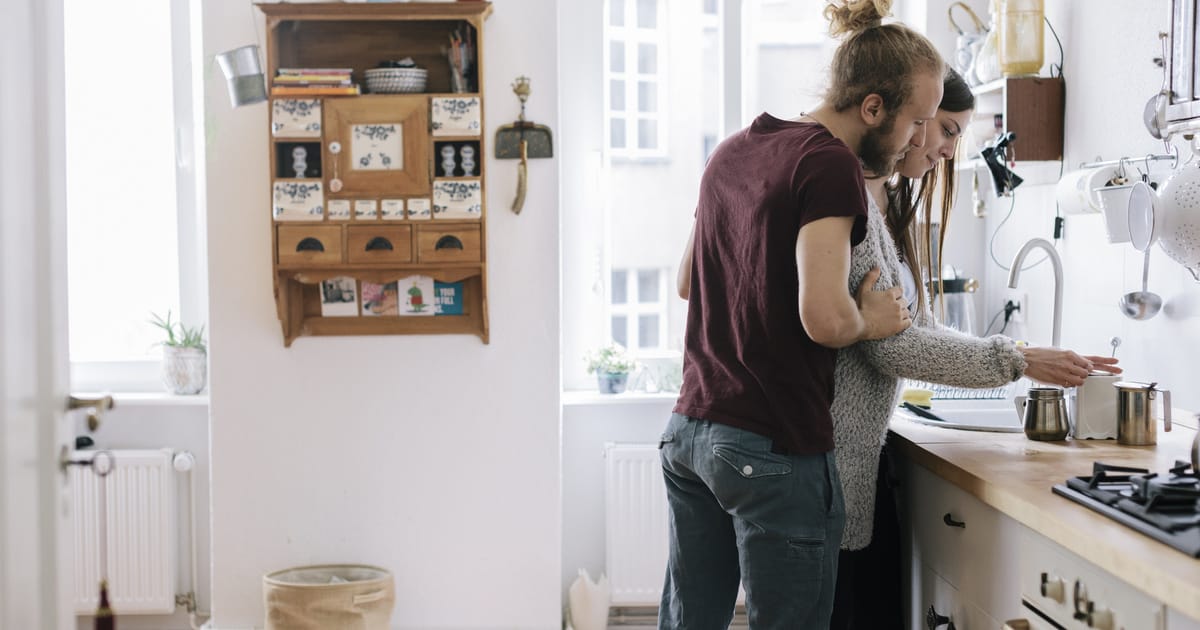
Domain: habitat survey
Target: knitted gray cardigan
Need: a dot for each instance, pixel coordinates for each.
(867, 377)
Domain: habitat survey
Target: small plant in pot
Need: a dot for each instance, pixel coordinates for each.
(185, 356)
(612, 367)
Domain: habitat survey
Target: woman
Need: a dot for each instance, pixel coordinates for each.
(868, 374)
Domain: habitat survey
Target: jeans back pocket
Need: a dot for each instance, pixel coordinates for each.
(752, 465)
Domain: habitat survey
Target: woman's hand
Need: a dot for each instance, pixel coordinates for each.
(1064, 368)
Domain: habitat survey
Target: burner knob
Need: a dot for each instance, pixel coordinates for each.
(1101, 619)
(1054, 588)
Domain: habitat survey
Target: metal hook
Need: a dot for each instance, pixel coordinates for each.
(1121, 170)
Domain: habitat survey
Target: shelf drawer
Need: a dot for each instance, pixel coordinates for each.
(448, 244)
(317, 244)
(379, 243)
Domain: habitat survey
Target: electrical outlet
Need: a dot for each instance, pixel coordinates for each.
(1021, 299)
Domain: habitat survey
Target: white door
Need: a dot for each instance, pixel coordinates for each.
(34, 567)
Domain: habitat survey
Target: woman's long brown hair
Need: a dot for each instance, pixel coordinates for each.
(907, 197)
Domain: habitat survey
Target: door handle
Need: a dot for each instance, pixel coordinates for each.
(95, 408)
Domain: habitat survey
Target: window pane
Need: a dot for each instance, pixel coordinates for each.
(647, 97)
(616, 95)
(647, 13)
(620, 289)
(647, 58)
(619, 334)
(648, 331)
(122, 239)
(617, 139)
(648, 286)
(616, 12)
(647, 133)
(616, 54)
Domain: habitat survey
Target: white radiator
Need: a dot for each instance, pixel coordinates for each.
(635, 500)
(141, 533)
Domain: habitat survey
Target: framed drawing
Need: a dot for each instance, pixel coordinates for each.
(383, 144)
(296, 118)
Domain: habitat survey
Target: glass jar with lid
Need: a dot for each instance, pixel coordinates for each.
(1020, 37)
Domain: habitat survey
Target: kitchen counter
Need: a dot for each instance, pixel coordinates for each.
(1014, 475)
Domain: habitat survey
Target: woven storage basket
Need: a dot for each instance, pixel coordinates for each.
(396, 80)
(310, 598)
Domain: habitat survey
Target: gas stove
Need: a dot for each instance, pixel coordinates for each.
(1164, 507)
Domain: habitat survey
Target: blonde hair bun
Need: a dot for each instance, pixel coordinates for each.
(852, 16)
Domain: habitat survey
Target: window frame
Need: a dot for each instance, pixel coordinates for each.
(634, 307)
(630, 36)
(187, 63)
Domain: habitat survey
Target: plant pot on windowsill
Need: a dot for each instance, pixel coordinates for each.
(611, 382)
(185, 357)
(612, 367)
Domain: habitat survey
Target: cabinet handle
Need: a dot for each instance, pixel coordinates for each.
(933, 620)
(310, 244)
(379, 243)
(949, 520)
(448, 242)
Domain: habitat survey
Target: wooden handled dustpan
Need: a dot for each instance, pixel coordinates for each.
(523, 140)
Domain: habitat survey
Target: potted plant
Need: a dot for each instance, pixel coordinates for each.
(185, 356)
(612, 367)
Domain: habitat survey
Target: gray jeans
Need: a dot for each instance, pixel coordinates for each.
(740, 513)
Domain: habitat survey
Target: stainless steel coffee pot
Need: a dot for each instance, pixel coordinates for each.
(1044, 412)
(1135, 418)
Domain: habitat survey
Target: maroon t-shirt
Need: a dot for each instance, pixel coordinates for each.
(747, 360)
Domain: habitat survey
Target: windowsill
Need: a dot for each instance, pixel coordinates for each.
(579, 398)
(151, 399)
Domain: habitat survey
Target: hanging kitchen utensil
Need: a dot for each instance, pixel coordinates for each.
(523, 140)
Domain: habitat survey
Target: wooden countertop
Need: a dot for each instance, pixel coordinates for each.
(1014, 475)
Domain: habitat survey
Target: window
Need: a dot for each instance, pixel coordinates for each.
(135, 238)
(727, 63)
(635, 78)
(638, 309)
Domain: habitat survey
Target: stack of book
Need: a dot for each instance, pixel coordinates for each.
(313, 82)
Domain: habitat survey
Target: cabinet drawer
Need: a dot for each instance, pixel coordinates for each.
(318, 244)
(382, 243)
(450, 244)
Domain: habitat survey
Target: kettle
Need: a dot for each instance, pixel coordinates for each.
(1135, 418)
(1045, 414)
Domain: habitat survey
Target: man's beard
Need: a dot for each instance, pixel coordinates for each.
(877, 158)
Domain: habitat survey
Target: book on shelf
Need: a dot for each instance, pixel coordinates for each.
(315, 90)
(298, 71)
(312, 79)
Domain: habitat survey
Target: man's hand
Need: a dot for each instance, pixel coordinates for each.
(885, 312)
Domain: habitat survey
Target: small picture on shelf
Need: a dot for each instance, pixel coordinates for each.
(338, 208)
(299, 160)
(447, 298)
(339, 297)
(380, 299)
(419, 209)
(391, 209)
(296, 118)
(298, 201)
(457, 159)
(377, 147)
(418, 296)
(457, 199)
(364, 209)
(455, 116)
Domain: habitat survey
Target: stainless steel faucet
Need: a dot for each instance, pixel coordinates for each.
(1056, 262)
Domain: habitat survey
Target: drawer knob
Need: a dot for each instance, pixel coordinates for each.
(448, 242)
(310, 244)
(949, 520)
(379, 243)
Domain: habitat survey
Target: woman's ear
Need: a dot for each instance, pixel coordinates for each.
(872, 111)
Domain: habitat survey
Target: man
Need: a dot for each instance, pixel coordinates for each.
(747, 456)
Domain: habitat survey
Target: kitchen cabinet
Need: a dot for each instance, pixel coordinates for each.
(1030, 107)
(959, 553)
(377, 199)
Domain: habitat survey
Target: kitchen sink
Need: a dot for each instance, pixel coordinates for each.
(999, 416)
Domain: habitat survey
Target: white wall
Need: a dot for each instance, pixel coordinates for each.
(436, 457)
